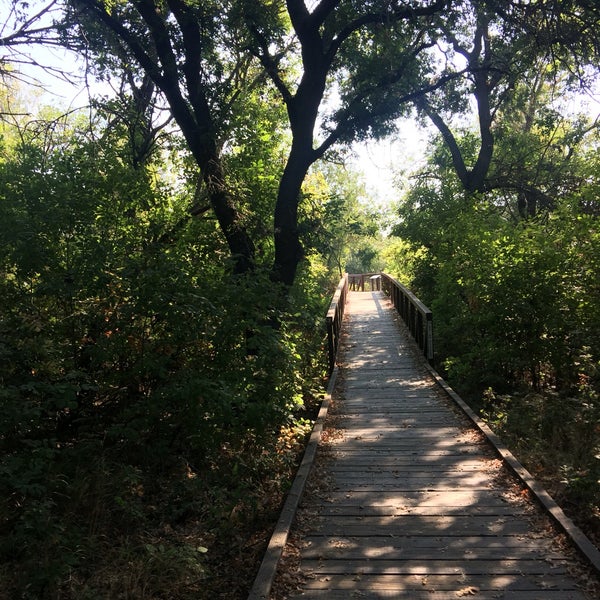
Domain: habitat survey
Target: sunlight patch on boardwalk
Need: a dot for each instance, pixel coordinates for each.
(406, 499)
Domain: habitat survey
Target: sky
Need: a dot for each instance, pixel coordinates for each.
(386, 163)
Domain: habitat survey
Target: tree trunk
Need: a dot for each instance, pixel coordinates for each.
(302, 111)
(288, 249)
(239, 242)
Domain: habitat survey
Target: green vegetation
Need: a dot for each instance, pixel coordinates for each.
(151, 419)
(511, 273)
(168, 253)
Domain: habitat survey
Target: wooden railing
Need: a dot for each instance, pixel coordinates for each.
(418, 318)
(335, 314)
(358, 282)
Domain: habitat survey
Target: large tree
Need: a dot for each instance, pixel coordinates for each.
(182, 48)
(198, 55)
(365, 52)
(497, 44)
(344, 69)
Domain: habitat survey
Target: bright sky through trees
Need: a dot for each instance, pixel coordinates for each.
(382, 163)
(385, 164)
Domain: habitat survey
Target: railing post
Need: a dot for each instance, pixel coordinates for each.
(330, 343)
(417, 317)
(333, 320)
(429, 338)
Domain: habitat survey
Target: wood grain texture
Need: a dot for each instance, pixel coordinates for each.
(408, 501)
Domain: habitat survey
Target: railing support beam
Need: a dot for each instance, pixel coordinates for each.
(417, 317)
(334, 318)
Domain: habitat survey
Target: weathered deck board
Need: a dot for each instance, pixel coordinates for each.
(409, 502)
(430, 594)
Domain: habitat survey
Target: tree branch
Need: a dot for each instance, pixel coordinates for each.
(113, 24)
(322, 11)
(449, 139)
(24, 32)
(345, 124)
(270, 63)
(193, 49)
(394, 15)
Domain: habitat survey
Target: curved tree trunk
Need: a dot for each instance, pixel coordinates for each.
(154, 51)
(239, 242)
(288, 249)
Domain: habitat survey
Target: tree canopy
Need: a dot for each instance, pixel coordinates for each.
(168, 254)
(342, 70)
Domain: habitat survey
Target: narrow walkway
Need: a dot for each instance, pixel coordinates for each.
(406, 500)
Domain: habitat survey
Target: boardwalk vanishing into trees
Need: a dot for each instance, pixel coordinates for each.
(406, 498)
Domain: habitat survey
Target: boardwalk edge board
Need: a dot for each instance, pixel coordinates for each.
(581, 542)
(266, 572)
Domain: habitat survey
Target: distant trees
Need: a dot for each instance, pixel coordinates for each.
(497, 46)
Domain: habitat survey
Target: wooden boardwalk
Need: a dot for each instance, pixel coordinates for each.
(406, 499)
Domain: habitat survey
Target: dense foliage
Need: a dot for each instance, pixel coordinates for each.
(166, 260)
(147, 412)
(511, 275)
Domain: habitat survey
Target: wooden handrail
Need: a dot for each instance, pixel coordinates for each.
(417, 317)
(335, 314)
(356, 281)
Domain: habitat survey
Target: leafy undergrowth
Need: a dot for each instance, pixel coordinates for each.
(557, 439)
(121, 533)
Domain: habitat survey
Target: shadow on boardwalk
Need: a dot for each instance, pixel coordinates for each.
(406, 500)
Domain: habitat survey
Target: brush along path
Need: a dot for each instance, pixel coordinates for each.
(407, 500)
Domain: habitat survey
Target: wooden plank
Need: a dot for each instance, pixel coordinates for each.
(383, 460)
(348, 459)
(327, 509)
(414, 384)
(415, 498)
(351, 481)
(422, 453)
(421, 511)
(403, 487)
(453, 583)
(416, 548)
(443, 473)
(398, 466)
(417, 409)
(394, 432)
(390, 376)
(388, 420)
(528, 566)
(423, 526)
(431, 594)
(436, 544)
(394, 410)
(408, 442)
(372, 396)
